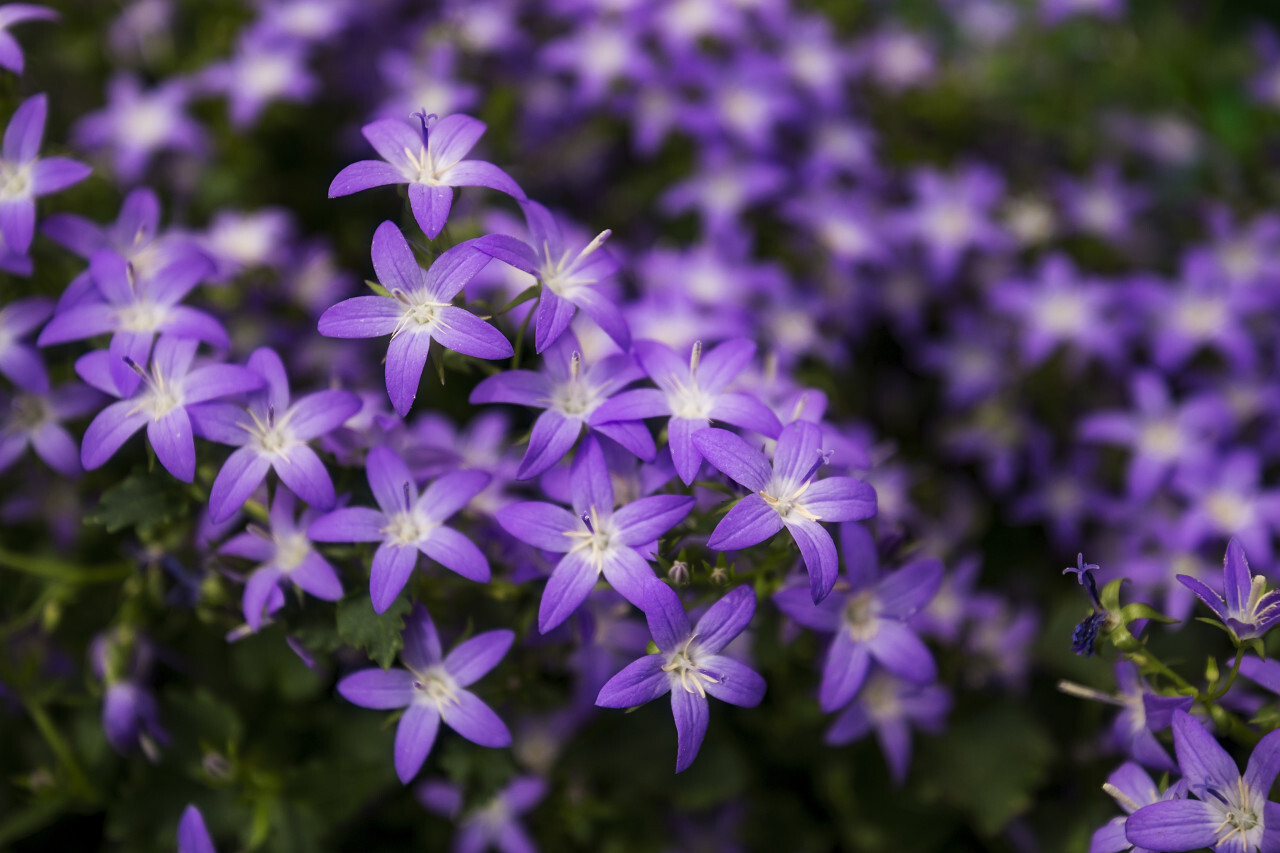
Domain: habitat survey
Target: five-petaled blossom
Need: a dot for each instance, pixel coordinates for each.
(689, 665)
(407, 523)
(867, 613)
(568, 277)
(272, 434)
(431, 164)
(160, 404)
(595, 538)
(1231, 813)
(786, 495)
(1249, 610)
(692, 391)
(1132, 788)
(433, 689)
(571, 394)
(283, 553)
(419, 309)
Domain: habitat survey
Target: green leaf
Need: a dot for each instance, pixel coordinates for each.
(145, 501)
(378, 635)
(1138, 610)
(1110, 595)
(377, 288)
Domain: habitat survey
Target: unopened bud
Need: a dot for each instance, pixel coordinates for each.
(719, 576)
(678, 573)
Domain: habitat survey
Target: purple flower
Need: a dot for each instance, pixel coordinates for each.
(433, 689)
(595, 538)
(494, 824)
(19, 362)
(272, 434)
(1104, 206)
(1231, 814)
(568, 275)
(160, 404)
(134, 310)
(869, 616)
(891, 706)
(1248, 610)
(786, 495)
(24, 177)
(406, 524)
(135, 125)
(1227, 499)
(431, 164)
(16, 13)
(262, 70)
(1131, 787)
(952, 214)
(193, 836)
(689, 665)
(418, 310)
(571, 395)
(692, 392)
(1160, 434)
(1143, 713)
(35, 420)
(134, 236)
(1059, 306)
(1053, 11)
(130, 717)
(284, 553)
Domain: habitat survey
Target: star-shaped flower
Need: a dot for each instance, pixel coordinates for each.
(432, 689)
(407, 523)
(431, 164)
(418, 310)
(689, 665)
(786, 494)
(595, 538)
(272, 434)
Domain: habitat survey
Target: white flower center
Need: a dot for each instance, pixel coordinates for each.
(291, 549)
(436, 686)
(15, 180)
(682, 666)
(859, 617)
(1161, 439)
(407, 528)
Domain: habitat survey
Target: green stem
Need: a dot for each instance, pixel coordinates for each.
(78, 782)
(1230, 679)
(53, 569)
(1146, 658)
(524, 325)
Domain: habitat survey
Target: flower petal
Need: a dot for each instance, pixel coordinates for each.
(751, 521)
(301, 470)
(456, 553)
(843, 672)
(421, 640)
(349, 524)
(1204, 763)
(415, 736)
(691, 716)
(643, 521)
(570, 584)
(725, 619)
(464, 332)
(472, 659)
(373, 688)
(897, 648)
(361, 317)
(737, 683)
(406, 357)
(840, 499)
(244, 471)
(476, 721)
(731, 455)
(1173, 826)
(392, 566)
(639, 682)
(175, 446)
(364, 175)
(667, 620)
(819, 552)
